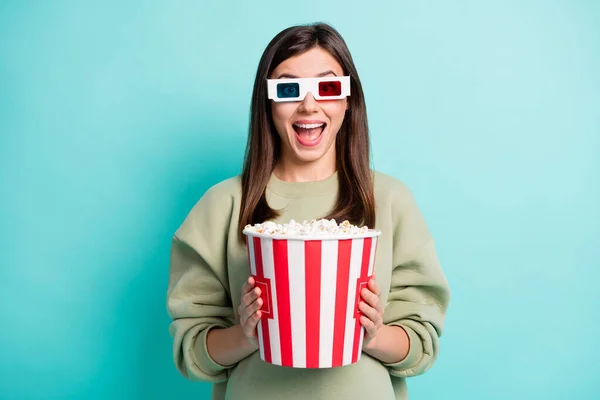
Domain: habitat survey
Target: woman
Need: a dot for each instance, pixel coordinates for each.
(307, 157)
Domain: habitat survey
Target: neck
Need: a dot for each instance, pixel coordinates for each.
(304, 172)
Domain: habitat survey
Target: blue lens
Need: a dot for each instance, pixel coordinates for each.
(287, 90)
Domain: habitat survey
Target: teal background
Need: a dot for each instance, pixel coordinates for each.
(115, 117)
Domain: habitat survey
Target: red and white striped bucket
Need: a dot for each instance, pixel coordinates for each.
(310, 290)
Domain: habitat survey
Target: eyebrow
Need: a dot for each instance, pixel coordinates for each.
(282, 76)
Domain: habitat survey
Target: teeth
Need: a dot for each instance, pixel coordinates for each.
(309, 126)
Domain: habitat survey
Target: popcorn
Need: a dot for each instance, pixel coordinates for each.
(321, 227)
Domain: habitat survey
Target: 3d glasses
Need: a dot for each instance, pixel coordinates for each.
(328, 88)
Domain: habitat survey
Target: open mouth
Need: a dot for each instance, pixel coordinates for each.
(309, 134)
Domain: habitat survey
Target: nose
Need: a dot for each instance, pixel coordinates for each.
(309, 104)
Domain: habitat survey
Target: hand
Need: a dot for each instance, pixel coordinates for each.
(249, 310)
(372, 319)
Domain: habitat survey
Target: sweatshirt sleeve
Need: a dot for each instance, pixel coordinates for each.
(198, 298)
(419, 292)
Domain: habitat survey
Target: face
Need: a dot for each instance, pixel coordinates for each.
(308, 128)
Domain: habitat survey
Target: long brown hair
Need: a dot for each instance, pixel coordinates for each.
(355, 201)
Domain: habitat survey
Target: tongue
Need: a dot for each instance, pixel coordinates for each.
(309, 134)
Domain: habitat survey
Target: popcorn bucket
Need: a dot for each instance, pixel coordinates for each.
(310, 288)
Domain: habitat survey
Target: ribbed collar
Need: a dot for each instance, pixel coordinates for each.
(303, 189)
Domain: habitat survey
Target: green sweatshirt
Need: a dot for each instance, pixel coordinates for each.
(209, 266)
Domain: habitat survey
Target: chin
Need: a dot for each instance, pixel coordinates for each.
(312, 155)
(306, 158)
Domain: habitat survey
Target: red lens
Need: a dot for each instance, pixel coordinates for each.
(330, 88)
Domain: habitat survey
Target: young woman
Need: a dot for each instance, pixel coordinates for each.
(307, 158)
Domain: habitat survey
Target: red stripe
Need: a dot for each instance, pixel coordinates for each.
(264, 322)
(341, 301)
(312, 271)
(364, 272)
(282, 280)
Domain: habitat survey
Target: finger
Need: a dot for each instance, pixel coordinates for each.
(368, 325)
(250, 297)
(369, 311)
(374, 287)
(252, 322)
(248, 285)
(248, 312)
(247, 300)
(253, 307)
(370, 297)
(374, 301)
